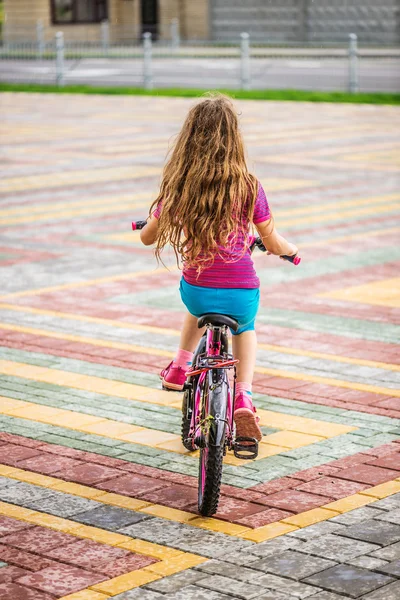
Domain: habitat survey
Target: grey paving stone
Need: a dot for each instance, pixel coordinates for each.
(377, 532)
(368, 562)
(358, 515)
(243, 557)
(174, 583)
(23, 493)
(63, 505)
(277, 545)
(139, 594)
(391, 516)
(388, 592)
(292, 564)
(349, 580)
(193, 592)
(274, 595)
(238, 589)
(391, 552)
(6, 482)
(317, 530)
(337, 548)
(109, 517)
(210, 545)
(287, 586)
(392, 568)
(326, 596)
(219, 567)
(156, 530)
(389, 503)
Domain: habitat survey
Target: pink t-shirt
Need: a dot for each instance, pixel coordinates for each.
(231, 267)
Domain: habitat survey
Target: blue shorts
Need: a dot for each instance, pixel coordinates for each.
(239, 303)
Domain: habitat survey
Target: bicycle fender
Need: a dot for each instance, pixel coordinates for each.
(218, 405)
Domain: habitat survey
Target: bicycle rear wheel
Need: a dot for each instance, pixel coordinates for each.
(214, 406)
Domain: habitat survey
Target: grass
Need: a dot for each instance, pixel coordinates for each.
(286, 95)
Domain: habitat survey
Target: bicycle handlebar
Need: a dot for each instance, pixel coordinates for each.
(295, 260)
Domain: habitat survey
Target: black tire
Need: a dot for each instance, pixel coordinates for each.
(186, 419)
(212, 456)
(209, 496)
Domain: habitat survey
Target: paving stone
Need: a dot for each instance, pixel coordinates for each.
(332, 487)
(392, 568)
(293, 564)
(346, 579)
(37, 539)
(23, 493)
(109, 517)
(367, 562)
(176, 582)
(131, 485)
(86, 553)
(326, 596)
(392, 516)
(193, 592)
(389, 503)
(388, 592)
(11, 454)
(337, 548)
(391, 552)
(159, 530)
(6, 482)
(62, 505)
(377, 532)
(239, 589)
(317, 530)
(9, 525)
(140, 594)
(276, 546)
(13, 591)
(25, 560)
(365, 513)
(61, 579)
(297, 501)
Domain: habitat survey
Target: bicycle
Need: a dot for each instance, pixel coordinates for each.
(207, 407)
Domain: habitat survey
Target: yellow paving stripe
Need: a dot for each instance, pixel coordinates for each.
(381, 293)
(163, 331)
(53, 207)
(257, 534)
(111, 208)
(69, 178)
(170, 560)
(296, 432)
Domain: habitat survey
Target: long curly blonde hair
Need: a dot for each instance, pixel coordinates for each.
(207, 192)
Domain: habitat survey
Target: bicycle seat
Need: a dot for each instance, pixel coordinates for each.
(218, 320)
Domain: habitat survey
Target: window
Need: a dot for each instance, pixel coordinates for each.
(78, 11)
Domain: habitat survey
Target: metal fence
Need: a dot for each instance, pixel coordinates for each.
(237, 64)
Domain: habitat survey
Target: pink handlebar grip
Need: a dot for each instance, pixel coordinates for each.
(134, 226)
(297, 260)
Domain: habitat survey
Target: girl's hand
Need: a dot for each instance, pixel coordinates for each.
(293, 250)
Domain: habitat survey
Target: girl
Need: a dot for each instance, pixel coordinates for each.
(206, 205)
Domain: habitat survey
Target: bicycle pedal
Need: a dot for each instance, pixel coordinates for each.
(166, 389)
(245, 448)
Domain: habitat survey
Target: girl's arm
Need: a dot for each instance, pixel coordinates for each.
(148, 234)
(273, 241)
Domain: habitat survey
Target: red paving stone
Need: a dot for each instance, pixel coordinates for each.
(332, 487)
(391, 461)
(174, 496)
(368, 474)
(12, 591)
(86, 553)
(87, 474)
(277, 485)
(61, 579)
(11, 454)
(37, 539)
(48, 464)
(131, 485)
(263, 517)
(297, 501)
(124, 565)
(23, 559)
(9, 525)
(10, 573)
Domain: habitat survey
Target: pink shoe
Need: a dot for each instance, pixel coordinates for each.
(245, 419)
(173, 378)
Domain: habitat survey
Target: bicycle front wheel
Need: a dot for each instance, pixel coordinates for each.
(213, 415)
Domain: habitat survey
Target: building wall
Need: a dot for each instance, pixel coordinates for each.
(124, 18)
(308, 20)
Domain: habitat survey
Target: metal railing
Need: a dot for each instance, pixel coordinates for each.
(148, 63)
